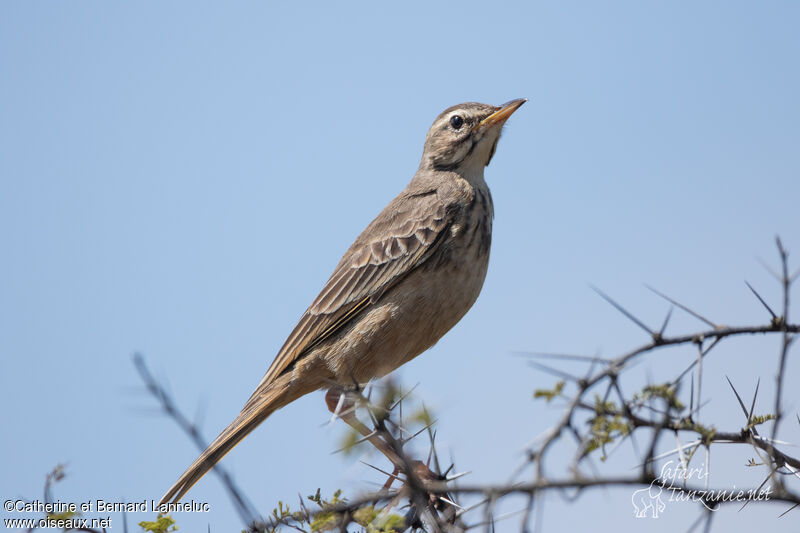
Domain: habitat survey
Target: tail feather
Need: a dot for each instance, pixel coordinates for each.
(257, 409)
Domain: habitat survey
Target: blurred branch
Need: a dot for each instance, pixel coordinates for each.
(243, 507)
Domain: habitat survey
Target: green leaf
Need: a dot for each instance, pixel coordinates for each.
(549, 394)
(163, 524)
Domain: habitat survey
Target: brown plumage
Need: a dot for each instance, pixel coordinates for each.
(406, 280)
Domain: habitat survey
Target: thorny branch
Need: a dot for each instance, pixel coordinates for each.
(432, 500)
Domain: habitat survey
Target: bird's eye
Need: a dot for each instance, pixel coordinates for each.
(456, 121)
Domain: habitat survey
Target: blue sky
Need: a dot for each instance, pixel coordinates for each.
(180, 179)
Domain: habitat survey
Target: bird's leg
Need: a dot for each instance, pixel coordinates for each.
(340, 403)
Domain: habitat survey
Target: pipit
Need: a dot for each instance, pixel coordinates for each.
(406, 280)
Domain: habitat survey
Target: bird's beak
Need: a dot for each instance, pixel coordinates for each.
(502, 113)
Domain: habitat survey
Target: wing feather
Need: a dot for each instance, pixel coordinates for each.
(396, 242)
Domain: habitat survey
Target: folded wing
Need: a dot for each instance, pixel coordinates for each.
(394, 244)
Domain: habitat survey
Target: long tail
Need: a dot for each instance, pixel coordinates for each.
(261, 404)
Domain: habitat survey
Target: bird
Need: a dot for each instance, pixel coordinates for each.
(408, 278)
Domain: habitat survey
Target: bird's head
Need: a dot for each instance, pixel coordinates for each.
(464, 137)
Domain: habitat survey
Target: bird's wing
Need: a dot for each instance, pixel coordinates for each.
(397, 241)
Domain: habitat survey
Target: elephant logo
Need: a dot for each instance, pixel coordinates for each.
(649, 498)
